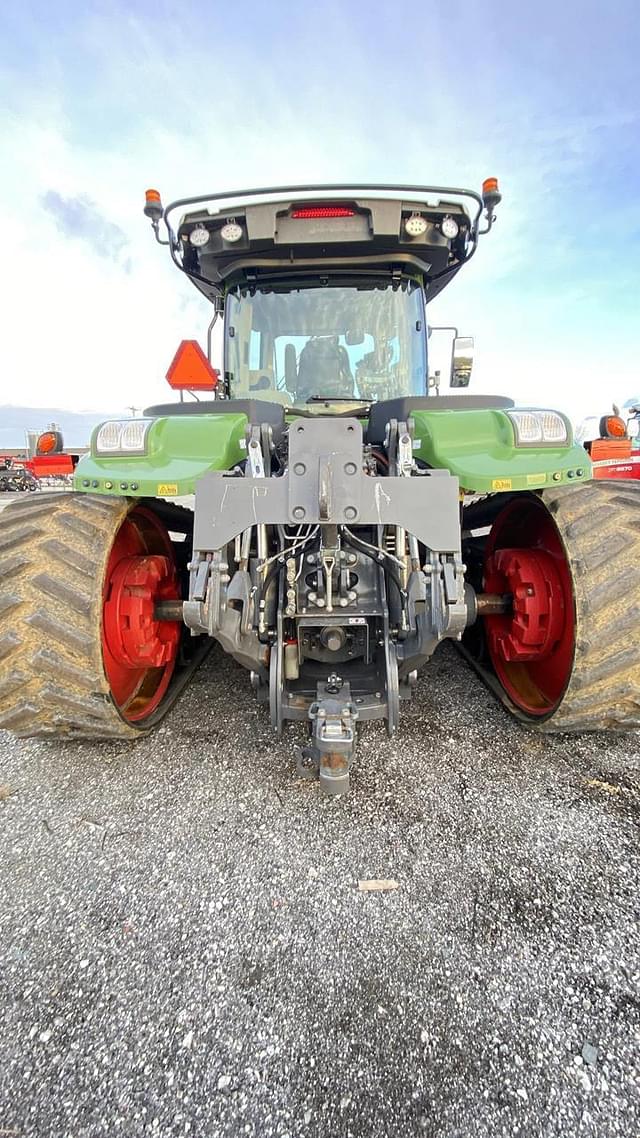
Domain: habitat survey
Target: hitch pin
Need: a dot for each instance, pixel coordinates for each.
(245, 546)
(414, 552)
(328, 562)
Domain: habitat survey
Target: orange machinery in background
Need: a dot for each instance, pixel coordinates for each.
(614, 454)
(50, 459)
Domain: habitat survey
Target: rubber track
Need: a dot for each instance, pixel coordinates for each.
(53, 554)
(599, 523)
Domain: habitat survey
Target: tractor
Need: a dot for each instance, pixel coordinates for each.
(321, 513)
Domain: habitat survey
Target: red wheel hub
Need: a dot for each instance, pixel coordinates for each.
(139, 652)
(134, 636)
(532, 647)
(535, 625)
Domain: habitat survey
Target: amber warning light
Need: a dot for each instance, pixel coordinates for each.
(190, 369)
(50, 442)
(613, 427)
(491, 195)
(153, 204)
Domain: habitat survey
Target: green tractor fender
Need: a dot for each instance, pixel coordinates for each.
(174, 453)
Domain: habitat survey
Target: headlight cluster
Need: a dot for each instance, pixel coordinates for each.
(122, 436)
(539, 428)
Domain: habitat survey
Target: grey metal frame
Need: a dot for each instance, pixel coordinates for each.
(325, 485)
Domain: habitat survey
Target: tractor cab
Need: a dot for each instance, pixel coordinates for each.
(324, 290)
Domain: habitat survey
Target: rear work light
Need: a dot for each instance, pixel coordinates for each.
(311, 211)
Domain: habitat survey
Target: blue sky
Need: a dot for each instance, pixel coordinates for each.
(101, 100)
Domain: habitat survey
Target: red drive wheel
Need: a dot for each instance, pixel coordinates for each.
(532, 647)
(139, 652)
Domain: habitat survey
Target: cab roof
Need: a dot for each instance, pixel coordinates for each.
(288, 238)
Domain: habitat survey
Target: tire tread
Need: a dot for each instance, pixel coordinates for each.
(600, 526)
(53, 555)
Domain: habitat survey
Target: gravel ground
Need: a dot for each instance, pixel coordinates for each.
(184, 949)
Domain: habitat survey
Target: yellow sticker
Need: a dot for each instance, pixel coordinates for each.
(501, 484)
(536, 479)
(165, 489)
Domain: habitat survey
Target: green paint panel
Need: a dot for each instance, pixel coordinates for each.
(180, 449)
(479, 448)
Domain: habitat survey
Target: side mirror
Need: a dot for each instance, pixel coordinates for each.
(461, 361)
(354, 338)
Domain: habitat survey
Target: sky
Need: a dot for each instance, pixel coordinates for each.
(100, 101)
